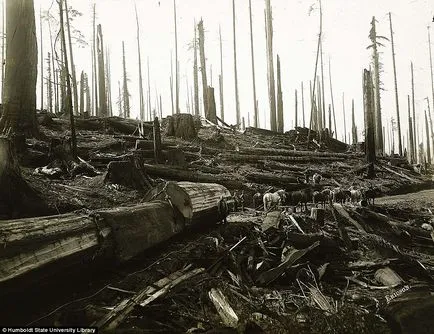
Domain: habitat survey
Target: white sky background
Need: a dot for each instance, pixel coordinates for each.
(346, 25)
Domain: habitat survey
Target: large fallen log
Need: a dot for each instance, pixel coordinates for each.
(29, 246)
(255, 158)
(267, 178)
(293, 153)
(180, 174)
(197, 202)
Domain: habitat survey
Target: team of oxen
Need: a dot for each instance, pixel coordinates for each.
(317, 194)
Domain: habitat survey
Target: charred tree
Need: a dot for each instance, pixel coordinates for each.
(203, 67)
(396, 87)
(280, 121)
(142, 100)
(412, 154)
(354, 127)
(126, 94)
(71, 59)
(19, 95)
(237, 100)
(196, 75)
(270, 65)
(88, 97)
(255, 110)
(68, 85)
(108, 83)
(176, 62)
(428, 141)
(369, 122)
(101, 73)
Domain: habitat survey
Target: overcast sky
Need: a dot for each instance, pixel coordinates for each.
(346, 24)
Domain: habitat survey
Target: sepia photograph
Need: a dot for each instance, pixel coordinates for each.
(217, 166)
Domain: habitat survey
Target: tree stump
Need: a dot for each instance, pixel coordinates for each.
(182, 126)
(17, 198)
(174, 157)
(127, 174)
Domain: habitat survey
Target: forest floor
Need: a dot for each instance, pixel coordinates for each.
(266, 274)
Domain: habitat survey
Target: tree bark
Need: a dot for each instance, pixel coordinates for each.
(369, 122)
(345, 122)
(296, 110)
(410, 133)
(176, 61)
(255, 116)
(42, 59)
(19, 95)
(101, 74)
(95, 72)
(302, 104)
(82, 86)
(280, 122)
(396, 87)
(428, 141)
(196, 76)
(126, 94)
(71, 58)
(415, 132)
(203, 67)
(142, 100)
(237, 100)
(270, 65)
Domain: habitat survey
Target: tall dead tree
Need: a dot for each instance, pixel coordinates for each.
(119, 102)
(237, 99)
(354, 127)
(126, 94)
(322, 85)
(108, 85)
(88, 97)
(196, 75)
(141, 98)
(176, 61)
(71, 58)
(270, 65)
(415, 139)
(280, 121)
(19, 96)
(82, 90)
(344, 116)
(313, 110)
(171, 83)
(68, 84)
(431, 68)
(368, 103)
(101, 73)
(428, 141)
(3, 37)
(255, 115)
(203, 67)
(302, 104)
(41, 58)
(49, 85)
(396, 87)
(149, 91)
(331, 97)
(222, 106)
(412, 154)
(296, 110)
(95, 66)
(376, 64)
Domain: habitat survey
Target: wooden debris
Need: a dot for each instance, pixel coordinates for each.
(113, 319)
(224, 309)
(318, 215)
(346, 217)
(388, 277)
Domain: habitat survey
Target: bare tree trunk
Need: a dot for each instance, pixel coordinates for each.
(149, 93)
(378, 118)
(108, 84)
(196, 76)
(415, 139)
(319, 107)
(82, 85)
(428, 141)
(322, 86)
(68, 84)
(296, 109)
(49, 85)
(431, 67)
(95, 74)
(19, 96)
(302, 104)
(237, 100)
(42, 59)
(354, 127)
(120, 100)
(255, 115)
(126, 94)
(396, 87)
(142, 100)
(343, 112)
(330, 120)
(331, 97)
(176, 61)
(171, 83)
(3, 36)
(88, 99)
(71, 58)
(270, 68)
(369, 122)
(316, 68)
(203, 67)
(101, 73)
(280, 121)
(412, 154)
